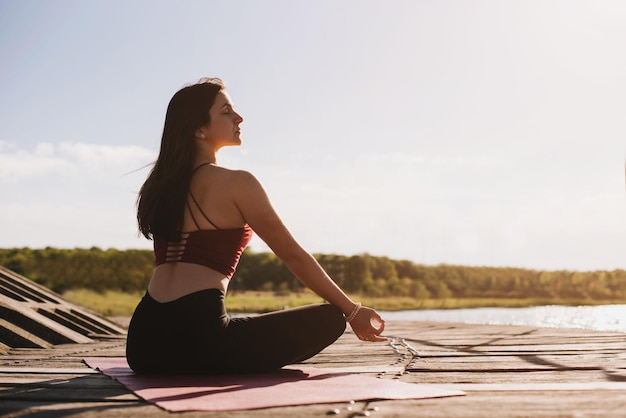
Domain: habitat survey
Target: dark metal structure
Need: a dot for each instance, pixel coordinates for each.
(32, 316)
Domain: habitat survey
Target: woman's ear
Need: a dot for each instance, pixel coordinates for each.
(200, 133)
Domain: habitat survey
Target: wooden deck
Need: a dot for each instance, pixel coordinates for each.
(506, 371)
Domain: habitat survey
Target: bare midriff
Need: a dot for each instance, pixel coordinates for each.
(171, 281)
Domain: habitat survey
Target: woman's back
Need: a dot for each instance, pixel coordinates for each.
(213, 237)
(212, 201)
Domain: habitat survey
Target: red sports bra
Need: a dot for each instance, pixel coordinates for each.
(217, 249)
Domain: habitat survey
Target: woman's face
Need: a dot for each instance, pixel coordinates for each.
(223, 129)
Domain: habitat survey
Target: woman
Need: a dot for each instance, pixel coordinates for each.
(201, 217)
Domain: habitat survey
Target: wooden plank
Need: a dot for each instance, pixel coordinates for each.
(537, 387)
(586, 404)
(562, 362)
(48, 370)
(7, 381)
(116, 409)
(473, 377)
(81, 388)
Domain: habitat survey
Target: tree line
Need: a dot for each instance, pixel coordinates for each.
(130, 270)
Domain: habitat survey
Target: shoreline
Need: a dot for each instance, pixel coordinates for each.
(609, 318)
(118, 303)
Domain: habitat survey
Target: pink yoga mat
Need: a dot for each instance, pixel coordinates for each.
(287, 387)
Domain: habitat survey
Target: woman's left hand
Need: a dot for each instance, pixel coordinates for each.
(368, 325)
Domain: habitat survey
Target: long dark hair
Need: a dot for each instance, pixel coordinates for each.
(161, 200)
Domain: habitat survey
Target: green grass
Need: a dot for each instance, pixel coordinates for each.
(395, 303)
(252, 301)
(108, 303)
(116, 303)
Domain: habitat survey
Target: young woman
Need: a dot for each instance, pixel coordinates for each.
(201, 217)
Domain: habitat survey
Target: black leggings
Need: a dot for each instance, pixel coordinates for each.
(194, 334)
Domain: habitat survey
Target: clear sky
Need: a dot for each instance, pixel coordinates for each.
(462, 132)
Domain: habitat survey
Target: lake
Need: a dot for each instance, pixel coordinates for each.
(603, 317)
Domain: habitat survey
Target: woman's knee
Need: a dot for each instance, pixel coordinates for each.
(334, 319)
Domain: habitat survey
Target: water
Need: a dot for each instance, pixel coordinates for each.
(603, 317)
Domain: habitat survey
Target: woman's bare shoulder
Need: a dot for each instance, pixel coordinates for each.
(242, 177)
(231, 181)
(225, 173)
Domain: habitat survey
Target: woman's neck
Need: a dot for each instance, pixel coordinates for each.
(205, 156)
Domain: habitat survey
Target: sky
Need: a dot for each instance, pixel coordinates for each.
(482, 132)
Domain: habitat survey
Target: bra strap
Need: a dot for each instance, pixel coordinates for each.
(193, 198)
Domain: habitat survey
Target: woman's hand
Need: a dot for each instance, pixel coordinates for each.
(368, 325)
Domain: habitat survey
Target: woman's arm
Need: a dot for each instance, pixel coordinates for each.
(257, 210)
